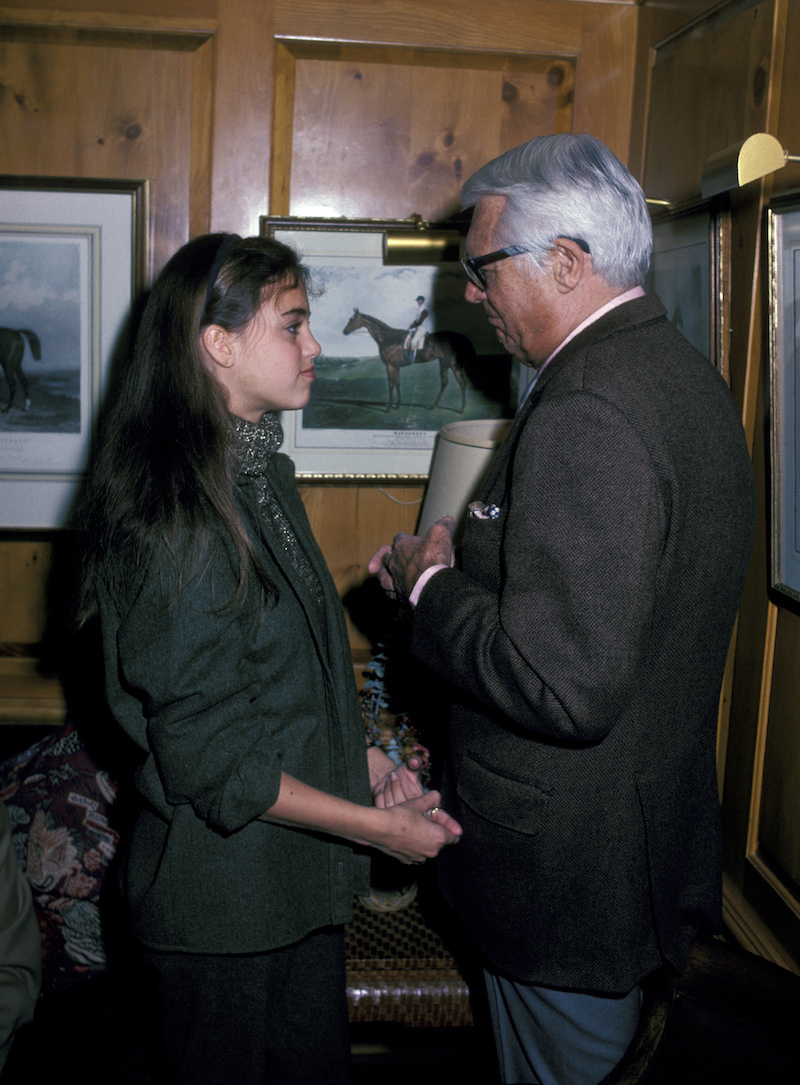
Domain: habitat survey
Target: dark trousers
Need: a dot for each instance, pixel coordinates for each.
(277, 1018)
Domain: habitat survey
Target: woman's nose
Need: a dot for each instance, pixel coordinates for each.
(313, 349)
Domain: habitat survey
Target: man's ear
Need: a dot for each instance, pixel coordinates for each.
(569, 264)
(219, 346)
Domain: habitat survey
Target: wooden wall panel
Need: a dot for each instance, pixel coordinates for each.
(24, 568)
(601, 35)
(350, 523)
(788, 107)
(709, 90)
(242, 119)
(89, 101)
(396, 127)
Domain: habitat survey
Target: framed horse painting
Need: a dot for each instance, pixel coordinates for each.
(403, 352)
(71, 265)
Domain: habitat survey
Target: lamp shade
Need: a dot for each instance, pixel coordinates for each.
(742, 163)
(463, 453)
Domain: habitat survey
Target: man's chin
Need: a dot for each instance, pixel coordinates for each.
(510, 347)
(502, 339)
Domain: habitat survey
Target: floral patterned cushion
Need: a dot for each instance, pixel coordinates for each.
(58, 800)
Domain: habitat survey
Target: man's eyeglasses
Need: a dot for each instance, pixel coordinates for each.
(473, 264)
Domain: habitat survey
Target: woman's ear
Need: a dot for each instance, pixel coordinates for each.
(219, 346)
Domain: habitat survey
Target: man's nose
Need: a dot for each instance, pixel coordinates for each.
(474, 294)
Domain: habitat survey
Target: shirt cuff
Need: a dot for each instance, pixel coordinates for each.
(422, 580)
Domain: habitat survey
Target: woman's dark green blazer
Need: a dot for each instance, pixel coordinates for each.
(221, 700)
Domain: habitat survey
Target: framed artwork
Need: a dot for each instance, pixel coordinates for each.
(784, 296)
(403, 352)
(71, 264)
(688, 271)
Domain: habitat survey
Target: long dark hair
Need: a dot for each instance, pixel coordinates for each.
(164, 474)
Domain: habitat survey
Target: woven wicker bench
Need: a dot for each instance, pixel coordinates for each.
(401, 971)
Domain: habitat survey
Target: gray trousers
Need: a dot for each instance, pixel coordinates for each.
(551, 1037)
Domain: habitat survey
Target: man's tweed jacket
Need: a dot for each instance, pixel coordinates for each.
(584, 637)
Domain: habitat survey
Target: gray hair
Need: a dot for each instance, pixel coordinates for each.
(569, 186)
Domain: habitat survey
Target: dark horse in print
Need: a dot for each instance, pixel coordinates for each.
(449, 349)
(12, 348)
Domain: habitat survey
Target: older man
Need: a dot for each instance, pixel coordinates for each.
(583, 630)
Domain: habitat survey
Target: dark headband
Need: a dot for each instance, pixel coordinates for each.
(225, 246)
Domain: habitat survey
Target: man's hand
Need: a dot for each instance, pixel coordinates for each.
(399, 566)
(400, 782)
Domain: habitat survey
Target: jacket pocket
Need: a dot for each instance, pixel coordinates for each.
(512, 804)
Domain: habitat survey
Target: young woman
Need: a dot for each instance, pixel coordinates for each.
(227, 662)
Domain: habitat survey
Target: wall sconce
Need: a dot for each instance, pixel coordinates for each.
(421, 244)
(747, 161)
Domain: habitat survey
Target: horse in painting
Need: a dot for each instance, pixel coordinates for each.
(449, 349)
(12, 349)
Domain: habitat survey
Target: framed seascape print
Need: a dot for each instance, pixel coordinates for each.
(71, 264)
(687, 269)
(784, 252)
(403, 352)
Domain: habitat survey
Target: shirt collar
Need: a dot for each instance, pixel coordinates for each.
(620, 299)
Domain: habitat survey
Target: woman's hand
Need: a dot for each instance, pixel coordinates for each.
(415, 830)
(410, 831)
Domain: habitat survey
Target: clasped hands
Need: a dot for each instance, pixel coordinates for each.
(427, 828)
(400, 565)
(398, 568)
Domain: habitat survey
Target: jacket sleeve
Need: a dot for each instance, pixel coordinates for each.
(188, 662)
(553, 635)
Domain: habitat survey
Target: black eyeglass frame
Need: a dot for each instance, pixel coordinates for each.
(473, 264)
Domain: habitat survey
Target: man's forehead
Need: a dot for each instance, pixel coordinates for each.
(482, 228)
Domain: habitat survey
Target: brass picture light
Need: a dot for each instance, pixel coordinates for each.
(747, 161)
(422, 244)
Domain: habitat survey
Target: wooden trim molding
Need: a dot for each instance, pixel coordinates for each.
(29, 697)
(41, 20)
(724, 711)
(761, 728)
(772, 877)
(749, 929)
